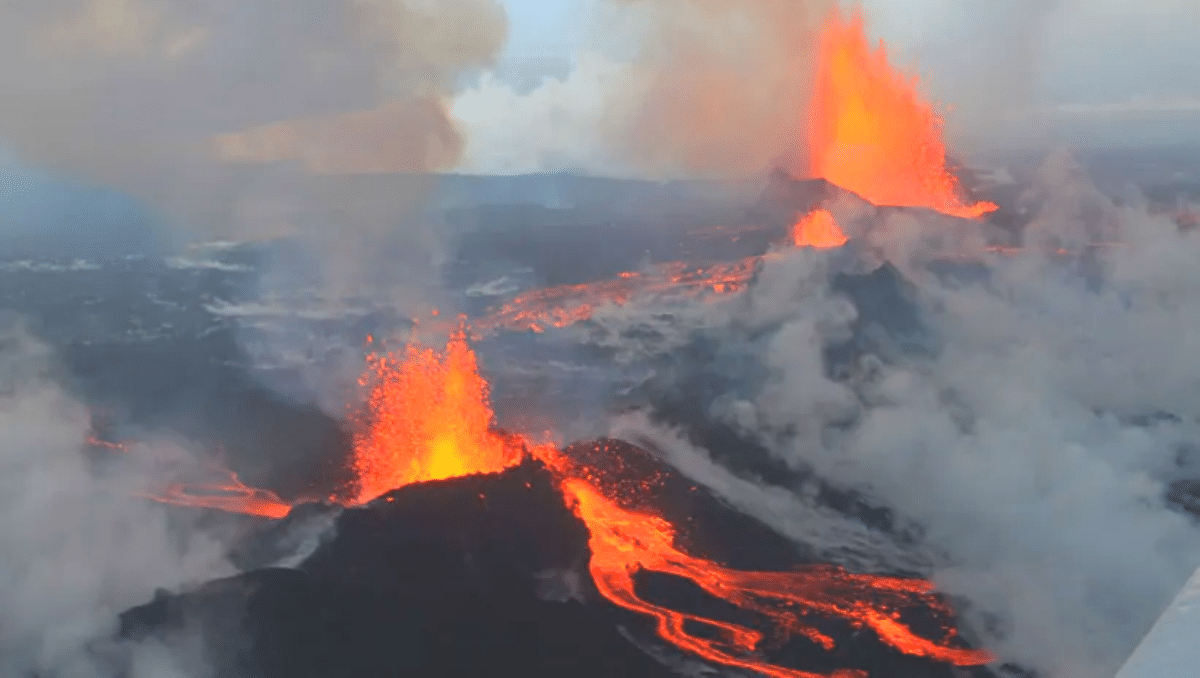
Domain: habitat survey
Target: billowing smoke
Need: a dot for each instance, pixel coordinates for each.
(124, 89)
(226, 117)
(80, 544)
(310, 121)
(1028, 425)
(692, 88)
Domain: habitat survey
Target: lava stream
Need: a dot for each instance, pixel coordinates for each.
(230, 495)
(870, 132)
(564, 305)
(624, 542)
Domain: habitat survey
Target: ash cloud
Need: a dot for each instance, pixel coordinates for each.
(79, 544)
(1030, 435)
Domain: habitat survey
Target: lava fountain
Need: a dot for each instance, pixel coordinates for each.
(871, 132)
(819, 230)
(419, 433)
(429, 418)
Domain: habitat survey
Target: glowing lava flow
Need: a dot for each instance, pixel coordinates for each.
(819, 230)
(429, 419)
(625, 542)
(871, 133)
(564, 305)
(230, 495)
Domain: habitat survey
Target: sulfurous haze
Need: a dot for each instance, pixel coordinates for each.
(80, 545)
(1028, 427)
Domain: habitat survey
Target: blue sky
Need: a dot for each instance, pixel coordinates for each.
(540, 27)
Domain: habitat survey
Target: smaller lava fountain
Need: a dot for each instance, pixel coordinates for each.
(870, 131)
(820, 230)
(429, 419)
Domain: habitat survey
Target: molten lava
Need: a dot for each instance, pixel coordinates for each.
(230, 495)
(870, 132)
(564, 305)
(819, 230)
(429, 419)
(624, 542)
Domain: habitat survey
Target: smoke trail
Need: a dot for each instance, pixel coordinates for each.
(78, 547)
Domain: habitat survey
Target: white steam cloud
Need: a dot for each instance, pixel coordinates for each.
(78, 545)
(1033, 446)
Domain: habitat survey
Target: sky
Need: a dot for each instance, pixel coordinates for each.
(544, 27)
(1095, 72)
(1094, 51)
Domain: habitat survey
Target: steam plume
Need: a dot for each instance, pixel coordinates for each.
(79, 547)
(1032, 439)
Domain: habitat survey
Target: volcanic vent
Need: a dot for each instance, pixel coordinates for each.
(495, 555)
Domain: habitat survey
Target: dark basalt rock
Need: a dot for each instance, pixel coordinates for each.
(1185, 495)
(436, 579)
(449, 578)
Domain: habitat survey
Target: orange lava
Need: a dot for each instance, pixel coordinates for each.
(230, 495)
(870, 132)
(624, 542)
(429, 419)
(819, 230)
(564, 305)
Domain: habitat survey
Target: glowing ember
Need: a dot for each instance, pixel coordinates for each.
(871, 133)
(429, 420)
(819, 230)
(229, 495)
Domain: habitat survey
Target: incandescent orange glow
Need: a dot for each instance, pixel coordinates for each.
(871, 133)
(819, 230)
(230, 495)
(624, 542)
(564, 305)
(430, 419)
